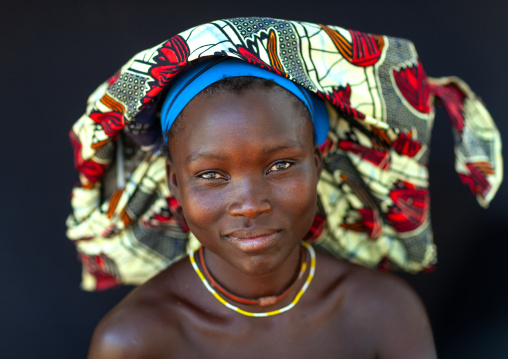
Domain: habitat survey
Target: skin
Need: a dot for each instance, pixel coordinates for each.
(245, 170)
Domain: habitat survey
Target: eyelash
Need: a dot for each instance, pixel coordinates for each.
(203, 175)
(287, 164)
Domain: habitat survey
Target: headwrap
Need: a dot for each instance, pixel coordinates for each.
(200, 77)
(373, 192)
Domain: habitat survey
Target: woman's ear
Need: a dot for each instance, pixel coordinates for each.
(318, 158)
(171, 179)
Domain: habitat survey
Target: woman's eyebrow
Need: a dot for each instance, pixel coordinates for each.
(209, 155)
(290, 144)
(198, 155)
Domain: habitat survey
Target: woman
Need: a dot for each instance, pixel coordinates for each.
(373, 206)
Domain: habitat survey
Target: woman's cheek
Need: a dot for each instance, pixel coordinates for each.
(201, 205)
(299, 192)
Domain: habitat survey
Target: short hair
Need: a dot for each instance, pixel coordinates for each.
(236, 85)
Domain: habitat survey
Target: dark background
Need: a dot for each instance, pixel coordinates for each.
(53, 54)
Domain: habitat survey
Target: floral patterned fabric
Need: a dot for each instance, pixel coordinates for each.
(373, 193)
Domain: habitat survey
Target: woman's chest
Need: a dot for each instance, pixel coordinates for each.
(309, 335)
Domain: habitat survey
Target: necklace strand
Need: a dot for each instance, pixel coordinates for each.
(262, 301)
(264, 314)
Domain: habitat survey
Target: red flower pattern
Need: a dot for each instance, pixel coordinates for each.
(253, 59)
(366, 48)
(111, 122)
(412, 83)
(452, 99)
(363, 50)
(477, 179)
(340, 98)
(379, 158)
(370, 223)
(406, 145)
(101, 268)
(411, 207)
(171, 58)
(92, 171)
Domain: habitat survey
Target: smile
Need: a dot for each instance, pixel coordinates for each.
(253, 240)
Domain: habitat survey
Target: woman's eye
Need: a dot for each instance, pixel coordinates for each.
(211, 175)
(279, 166)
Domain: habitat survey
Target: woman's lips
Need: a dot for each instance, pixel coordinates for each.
(253, 241)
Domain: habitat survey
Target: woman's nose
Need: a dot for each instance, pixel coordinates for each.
(249, 199)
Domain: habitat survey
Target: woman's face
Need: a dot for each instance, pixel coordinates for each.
(245, 169)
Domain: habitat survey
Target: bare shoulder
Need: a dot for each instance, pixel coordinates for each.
(383, 310)
(143, 324)
(381, 290)
(366, 284)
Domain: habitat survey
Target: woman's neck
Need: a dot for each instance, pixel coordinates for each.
(252, 286)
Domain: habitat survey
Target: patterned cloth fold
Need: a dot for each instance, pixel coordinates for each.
(373, 193)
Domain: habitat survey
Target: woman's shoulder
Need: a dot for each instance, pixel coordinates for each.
(361, 283)
(380, 307)
(145, 319)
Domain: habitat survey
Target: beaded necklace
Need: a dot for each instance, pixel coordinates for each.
(263, 301)
(265, 314)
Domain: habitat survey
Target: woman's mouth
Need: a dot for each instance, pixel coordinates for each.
(253, 240)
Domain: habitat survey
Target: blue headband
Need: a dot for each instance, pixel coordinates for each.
(203, 75)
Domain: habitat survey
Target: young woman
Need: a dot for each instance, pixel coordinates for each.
(245, 167)
(249, 182)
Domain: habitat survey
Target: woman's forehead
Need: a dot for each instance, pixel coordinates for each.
(255, 116)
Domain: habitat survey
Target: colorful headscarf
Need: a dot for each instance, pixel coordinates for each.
(373, 193)
(193, 81)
